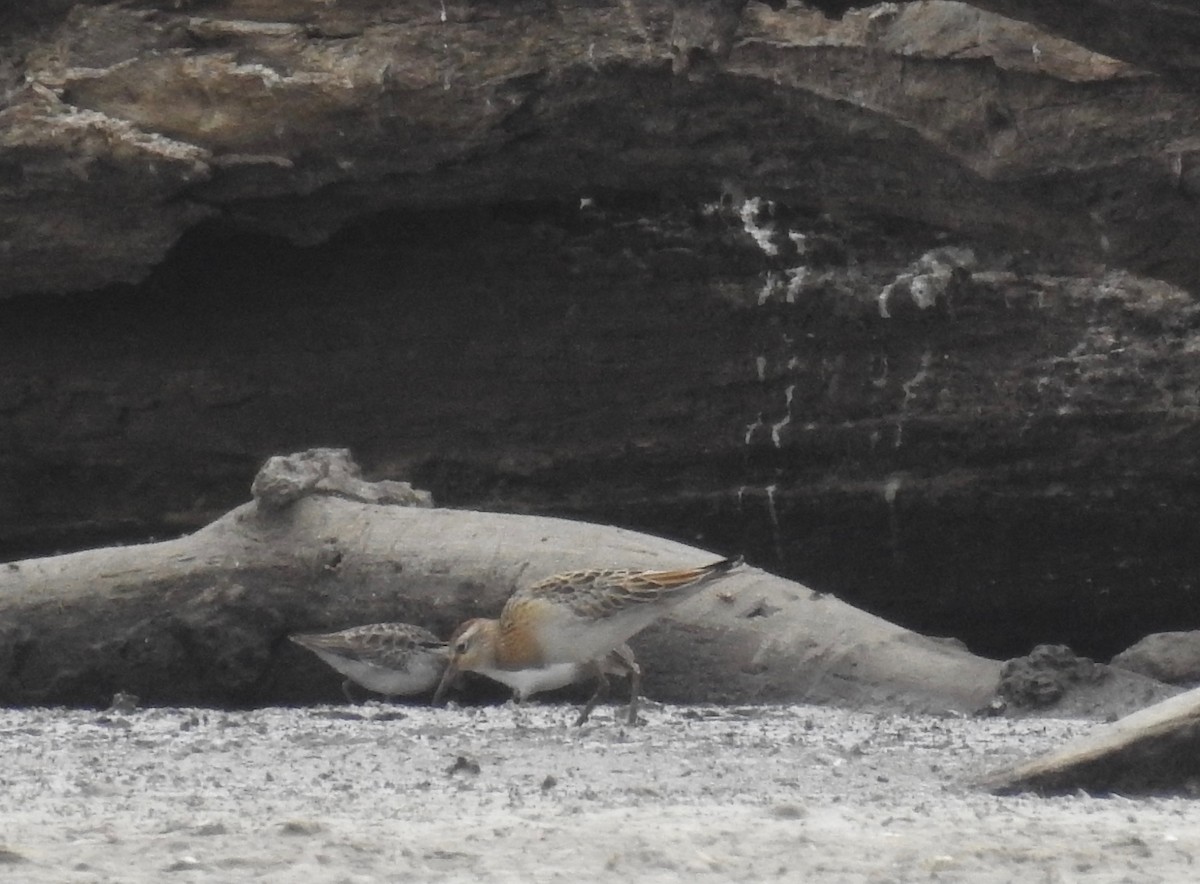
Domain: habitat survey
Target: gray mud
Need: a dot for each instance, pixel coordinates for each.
(376, 793)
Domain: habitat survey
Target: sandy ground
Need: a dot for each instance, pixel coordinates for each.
(377, 793)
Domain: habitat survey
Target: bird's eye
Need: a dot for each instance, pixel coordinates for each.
(461, 647)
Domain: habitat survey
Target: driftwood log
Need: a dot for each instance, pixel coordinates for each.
(204, 618)
(1152, 751)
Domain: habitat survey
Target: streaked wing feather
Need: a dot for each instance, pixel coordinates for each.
(382, 644)
(608, 591)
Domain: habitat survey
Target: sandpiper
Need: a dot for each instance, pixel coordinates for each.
(526, 682)
(392, 659)
(574, 619)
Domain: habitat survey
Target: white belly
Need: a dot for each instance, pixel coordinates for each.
(527, 682)
(422, 675)
(574, 639)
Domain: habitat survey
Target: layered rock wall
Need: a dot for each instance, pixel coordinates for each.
(122, 125)
(899, 304)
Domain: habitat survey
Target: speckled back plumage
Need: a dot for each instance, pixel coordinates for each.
(584, 614)
(597, 593)
(392, 659)
(390, 645)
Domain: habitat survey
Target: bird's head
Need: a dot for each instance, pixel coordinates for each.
(472, 647)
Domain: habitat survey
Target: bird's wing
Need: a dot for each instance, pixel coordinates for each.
(378, 643)
(603, 592)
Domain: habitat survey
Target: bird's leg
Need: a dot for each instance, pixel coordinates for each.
(346, 692)
(599, 694)
(635, 691)
(520, 715)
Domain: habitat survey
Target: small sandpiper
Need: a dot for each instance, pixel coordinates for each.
(393, 659)
(573, 620)
(524, 683)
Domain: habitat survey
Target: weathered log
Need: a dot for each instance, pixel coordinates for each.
(204, 618)
(1153, 750)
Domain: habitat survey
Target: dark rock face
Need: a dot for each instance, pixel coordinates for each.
(1053, 680)
(1040, 678)
(938, 375)
(1159, 35)
(1004, 457)
(139, 120)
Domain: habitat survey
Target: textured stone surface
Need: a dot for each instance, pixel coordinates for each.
(284, 479)
(1011, 464)
(1052, 677)
(1172, 657)
(1160, 35)
(939, 375)
(137, 120)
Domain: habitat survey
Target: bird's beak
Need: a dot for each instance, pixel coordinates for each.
(448, 677)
